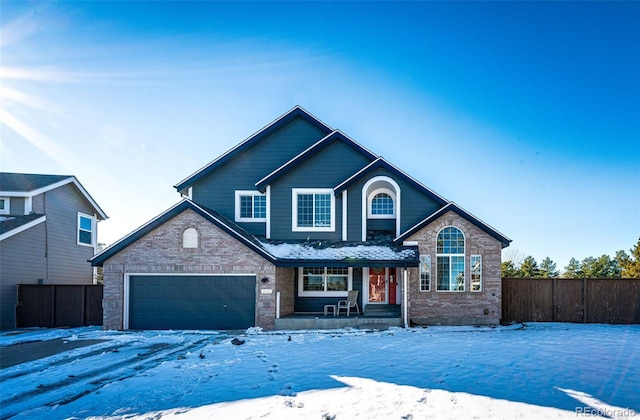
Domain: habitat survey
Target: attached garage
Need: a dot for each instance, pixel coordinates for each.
(212, 302)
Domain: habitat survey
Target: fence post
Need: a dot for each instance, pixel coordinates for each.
(553, 300)
(585, 285)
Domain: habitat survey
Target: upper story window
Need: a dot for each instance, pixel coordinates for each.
(5, 204)
(86, 229)
(190, 238)
(382, 205)
(450, 260)
(251, 206)
(313, 210)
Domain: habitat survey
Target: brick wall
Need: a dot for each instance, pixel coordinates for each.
(457, 308)
(161, 251)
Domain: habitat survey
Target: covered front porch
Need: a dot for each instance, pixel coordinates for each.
(374, 318)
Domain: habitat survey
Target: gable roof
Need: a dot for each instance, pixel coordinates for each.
(382, 163)
(451, 206)
(30, 185)
(12, 225)
(296, 112)
(213, 217)
(320, 145)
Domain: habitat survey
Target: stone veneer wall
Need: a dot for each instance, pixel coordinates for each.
(161, 251)
(458, 308)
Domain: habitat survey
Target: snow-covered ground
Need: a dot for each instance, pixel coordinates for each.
(524, 371)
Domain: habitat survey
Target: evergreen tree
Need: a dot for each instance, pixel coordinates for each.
(529, 268)
(548, 268)
(572, 271)
(509, 270)
(630, 264)
(602, 267)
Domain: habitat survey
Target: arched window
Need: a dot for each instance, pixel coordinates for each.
(450, 260)
(190, 238)
(382, 205)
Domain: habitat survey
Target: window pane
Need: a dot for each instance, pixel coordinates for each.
(457, 273)
(85, 223)
(245, 206)
(259, 206)
(442, 273)
(337, 283)
(313, 279)
(305, 210)
(476, 273)
(425, 273)
(84, 237)
(322, 207)
(2, 204)
(382, 204)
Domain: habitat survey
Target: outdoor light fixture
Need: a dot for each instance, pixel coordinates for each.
(265, 280)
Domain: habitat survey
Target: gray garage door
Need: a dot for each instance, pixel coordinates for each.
(191, 302)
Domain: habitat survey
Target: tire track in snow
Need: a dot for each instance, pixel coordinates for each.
(73, 387)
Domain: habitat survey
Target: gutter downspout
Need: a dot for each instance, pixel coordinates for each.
(405, 298)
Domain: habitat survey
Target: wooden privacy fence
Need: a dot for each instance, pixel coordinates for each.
(609, 301)
(54, 305)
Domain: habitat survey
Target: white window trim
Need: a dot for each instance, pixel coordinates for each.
(471, 273)
(93, 230)
(370, 198)
(294, 210)
(464, 262)
(365, 199)
(7, 205)
(420, 274)
(303, 293)
(245, 193)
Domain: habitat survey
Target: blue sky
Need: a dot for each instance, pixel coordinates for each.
(527, 114)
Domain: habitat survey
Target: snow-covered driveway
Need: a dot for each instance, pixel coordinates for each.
(532, 371)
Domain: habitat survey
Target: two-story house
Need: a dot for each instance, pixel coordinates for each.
(48, 233)
(292, 219)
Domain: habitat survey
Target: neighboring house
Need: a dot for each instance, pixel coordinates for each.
(48, 232)
(289, 221)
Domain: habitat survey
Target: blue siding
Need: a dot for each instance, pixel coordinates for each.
(415, 204)
(217, 191)
(326, 169)
(316, 304)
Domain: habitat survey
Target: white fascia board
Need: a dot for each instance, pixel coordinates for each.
(137, 230)
(22, 228)
(251, 137)
(231, 229)
(338, 187)
(50, 187)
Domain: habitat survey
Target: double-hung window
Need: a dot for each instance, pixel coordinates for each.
(251, 206)
(450, 260)
(324, 281)
(86, 229)
(313, 210)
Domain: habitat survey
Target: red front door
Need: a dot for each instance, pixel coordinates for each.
(377, 285)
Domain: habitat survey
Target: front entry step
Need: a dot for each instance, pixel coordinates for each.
(382, 310)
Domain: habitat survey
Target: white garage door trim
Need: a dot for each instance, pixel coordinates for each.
(125, 321)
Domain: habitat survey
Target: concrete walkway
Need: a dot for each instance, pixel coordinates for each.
(26, 352)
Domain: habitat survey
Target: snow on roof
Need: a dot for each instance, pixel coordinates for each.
(315, 251)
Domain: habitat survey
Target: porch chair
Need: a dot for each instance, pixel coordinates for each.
(352, 301)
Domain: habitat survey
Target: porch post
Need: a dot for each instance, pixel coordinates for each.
(405, 295)
(277, 305)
